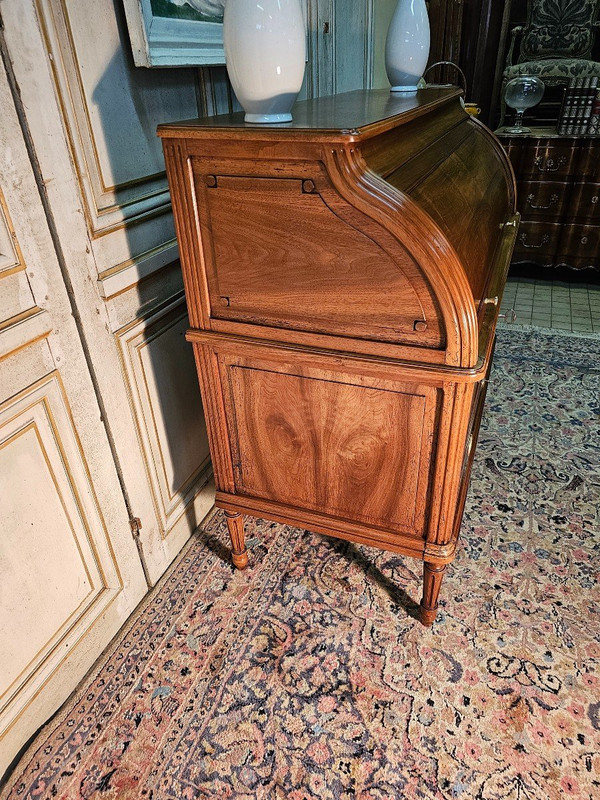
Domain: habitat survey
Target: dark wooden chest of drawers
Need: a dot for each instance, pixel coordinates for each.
(558, 191)
(343, 275)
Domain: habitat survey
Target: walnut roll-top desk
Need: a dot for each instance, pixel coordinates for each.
(343, 275)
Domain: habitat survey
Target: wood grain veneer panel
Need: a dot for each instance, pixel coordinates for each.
(279, 255)
(467, 179)
(387, 152)
(348, 450)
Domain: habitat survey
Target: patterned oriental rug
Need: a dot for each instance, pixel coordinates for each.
(308, 678)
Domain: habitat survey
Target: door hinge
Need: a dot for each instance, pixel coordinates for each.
(135, 524)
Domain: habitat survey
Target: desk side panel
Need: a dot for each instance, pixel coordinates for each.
(281, 249)
(270, 249)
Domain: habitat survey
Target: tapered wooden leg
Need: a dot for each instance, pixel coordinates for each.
(235, 524)
(433, 575)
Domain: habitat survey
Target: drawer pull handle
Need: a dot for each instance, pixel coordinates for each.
(595, 199)
(523, 240)
(553, 201)
(509, 316)
(584, 240)
(551, 165)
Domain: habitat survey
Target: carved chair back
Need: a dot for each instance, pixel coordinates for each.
(559, 29)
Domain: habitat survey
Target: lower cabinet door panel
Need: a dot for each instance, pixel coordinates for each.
(344, 445)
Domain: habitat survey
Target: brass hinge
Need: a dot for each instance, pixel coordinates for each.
(135, 524)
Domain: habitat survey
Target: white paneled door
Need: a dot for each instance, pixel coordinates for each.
(70, 574)
(92, 118)
(101, 419)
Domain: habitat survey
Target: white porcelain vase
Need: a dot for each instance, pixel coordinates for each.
(265, 47)
(407, 45)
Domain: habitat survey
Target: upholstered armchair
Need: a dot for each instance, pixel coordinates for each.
(556, 43)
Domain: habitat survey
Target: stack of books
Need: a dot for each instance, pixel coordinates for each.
(580, 111)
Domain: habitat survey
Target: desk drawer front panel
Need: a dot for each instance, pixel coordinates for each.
(581, 241)
(537, 240)
(543, 200)
(585, 201)
(326, 441)
(286, 252)
(547, 160)
(514, 151)
(589, 160)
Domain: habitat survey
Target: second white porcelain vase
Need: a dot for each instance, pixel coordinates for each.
(265, 47)
(407, 45)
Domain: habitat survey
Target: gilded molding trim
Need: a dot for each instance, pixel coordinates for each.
(11, 257)
(44, 403)
(107, 207)
(169, 505)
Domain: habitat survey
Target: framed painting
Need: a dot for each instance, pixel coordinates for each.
(175, 33)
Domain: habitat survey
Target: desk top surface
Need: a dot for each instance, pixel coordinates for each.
(359, 114)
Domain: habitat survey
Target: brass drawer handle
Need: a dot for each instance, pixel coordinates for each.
(508, 316)
(551, 165)
(523, 240)
(553, 201)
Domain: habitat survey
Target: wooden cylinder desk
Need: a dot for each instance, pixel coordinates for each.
(343, 275)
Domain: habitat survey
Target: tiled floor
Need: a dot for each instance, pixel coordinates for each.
(553, 304)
